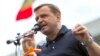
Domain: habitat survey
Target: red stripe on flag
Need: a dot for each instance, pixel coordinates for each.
(24, 14)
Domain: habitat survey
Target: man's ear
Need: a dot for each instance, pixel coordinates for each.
(58, 15)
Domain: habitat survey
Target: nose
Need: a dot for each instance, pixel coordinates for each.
(39, 20)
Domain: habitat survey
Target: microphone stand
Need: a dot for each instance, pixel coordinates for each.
(17, 44)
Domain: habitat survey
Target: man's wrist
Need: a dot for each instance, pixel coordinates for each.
(88, 43)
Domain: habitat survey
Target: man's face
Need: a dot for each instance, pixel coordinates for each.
(47, 19)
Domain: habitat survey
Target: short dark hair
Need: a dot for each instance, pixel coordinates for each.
(52, 7)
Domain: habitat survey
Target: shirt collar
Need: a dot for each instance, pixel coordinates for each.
(62, 31)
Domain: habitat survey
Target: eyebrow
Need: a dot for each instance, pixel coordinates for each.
(42, 15)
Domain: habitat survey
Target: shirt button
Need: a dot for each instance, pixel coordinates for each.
(53, 41)
(53, 47)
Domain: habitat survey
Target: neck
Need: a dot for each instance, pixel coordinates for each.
(53, 35)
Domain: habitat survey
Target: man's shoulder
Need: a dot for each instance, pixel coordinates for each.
(70, 37)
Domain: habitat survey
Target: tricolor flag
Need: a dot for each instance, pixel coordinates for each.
(26, 10)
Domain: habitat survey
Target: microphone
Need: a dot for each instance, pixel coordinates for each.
(36, 28)
(9, 41)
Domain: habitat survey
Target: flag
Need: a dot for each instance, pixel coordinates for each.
(26, 10)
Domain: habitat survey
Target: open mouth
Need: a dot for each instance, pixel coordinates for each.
(43, 27)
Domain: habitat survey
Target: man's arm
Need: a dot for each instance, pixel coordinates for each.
(83, 36)
(93, 49)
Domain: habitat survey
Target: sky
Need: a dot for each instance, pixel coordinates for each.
(73, 12)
